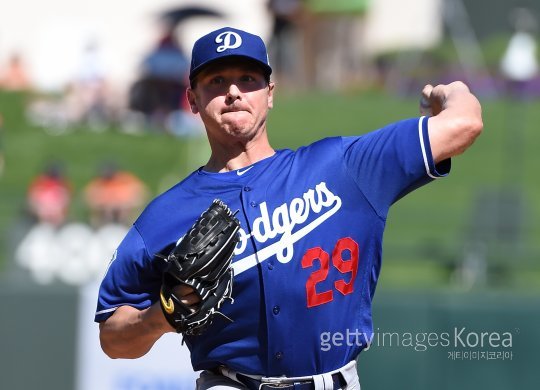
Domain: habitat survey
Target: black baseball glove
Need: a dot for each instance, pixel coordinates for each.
(202, 261)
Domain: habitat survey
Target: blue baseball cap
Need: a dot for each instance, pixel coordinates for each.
(228, 42)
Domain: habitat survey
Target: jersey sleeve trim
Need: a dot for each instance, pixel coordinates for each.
(434, 171)
(106, 311)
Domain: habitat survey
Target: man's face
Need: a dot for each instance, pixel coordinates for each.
(232, 98)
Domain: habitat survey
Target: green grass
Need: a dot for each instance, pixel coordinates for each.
(426, 230)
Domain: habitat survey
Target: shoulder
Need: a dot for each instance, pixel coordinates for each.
(165, 215)
(162, 203)
(324, 145)
(406, 128)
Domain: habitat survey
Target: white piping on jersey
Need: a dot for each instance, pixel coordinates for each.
(284, 248)
(421, 135)
(106, 311)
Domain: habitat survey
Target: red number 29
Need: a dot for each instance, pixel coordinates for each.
(349, 265)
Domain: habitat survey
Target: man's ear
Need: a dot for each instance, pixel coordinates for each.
(271, 86)
(192, 101)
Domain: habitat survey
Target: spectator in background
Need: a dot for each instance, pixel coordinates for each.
(288, 16)
(14, 77)
(49, 196)
(90, 90)
(519, 64)
(114, 196)
(87, 98)
(332, 33)
(162, 86)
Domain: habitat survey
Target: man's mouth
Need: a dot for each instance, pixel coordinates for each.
(233, 109)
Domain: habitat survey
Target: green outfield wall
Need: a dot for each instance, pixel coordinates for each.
(422, 340)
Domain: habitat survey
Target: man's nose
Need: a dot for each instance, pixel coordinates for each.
(232, 94)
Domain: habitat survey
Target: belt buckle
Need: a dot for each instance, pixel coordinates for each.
(275, 385)
(284, 386)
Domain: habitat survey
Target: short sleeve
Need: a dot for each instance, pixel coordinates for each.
(133, 278)
(390, 162)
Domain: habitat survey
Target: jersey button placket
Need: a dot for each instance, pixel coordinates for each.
(276, 309)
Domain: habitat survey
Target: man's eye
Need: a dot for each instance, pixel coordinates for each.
(247, 78)
(217, 80)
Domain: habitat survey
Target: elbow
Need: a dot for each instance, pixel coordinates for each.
(116, 348)
(467, 131)
(107, 347)
(114, 351)
(109, 342)
(476, 126)
(109, 353)
(475, 122)
(468, 123)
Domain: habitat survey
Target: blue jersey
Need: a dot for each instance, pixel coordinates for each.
(309, 254)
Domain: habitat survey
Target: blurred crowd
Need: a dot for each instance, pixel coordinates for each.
(112, 196)
(153, 102)
(55, 246)
(314, 44)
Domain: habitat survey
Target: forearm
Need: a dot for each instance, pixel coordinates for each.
(130, 333)
(456, 121)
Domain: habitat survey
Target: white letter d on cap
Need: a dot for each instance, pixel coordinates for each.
(225, 38)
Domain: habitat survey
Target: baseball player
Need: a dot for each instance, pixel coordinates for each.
(308, 255)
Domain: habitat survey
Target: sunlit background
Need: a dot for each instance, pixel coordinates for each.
(93, 125)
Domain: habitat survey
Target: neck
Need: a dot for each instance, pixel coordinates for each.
(237, 155)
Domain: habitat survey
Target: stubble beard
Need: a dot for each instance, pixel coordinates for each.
(244, 130)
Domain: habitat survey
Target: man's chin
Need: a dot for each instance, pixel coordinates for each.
(238, 128)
